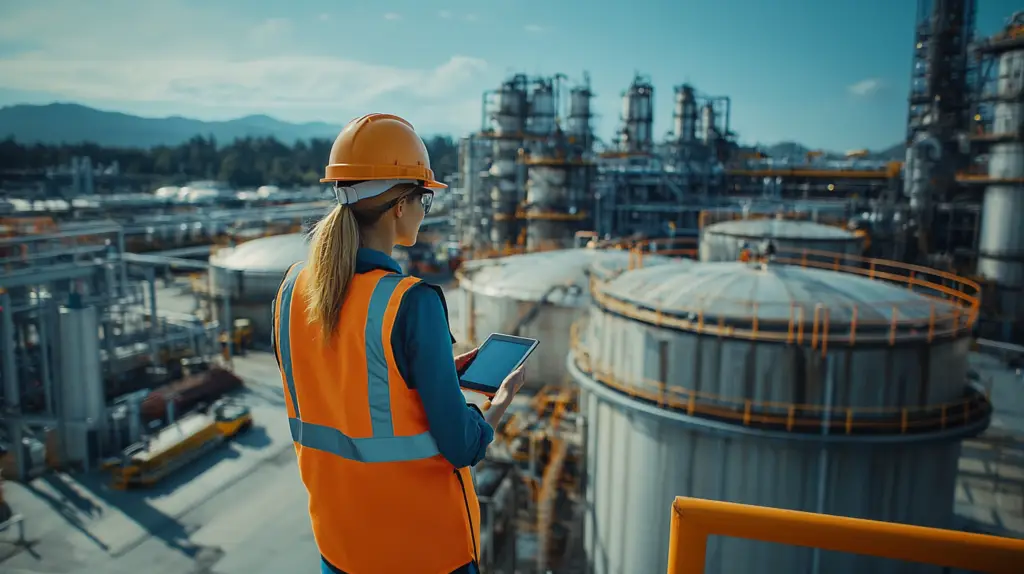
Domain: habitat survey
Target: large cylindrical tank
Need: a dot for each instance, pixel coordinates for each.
(250, 275)
(716, 380)
(499, 293)
(1001, 241)
(83, 407)
(722, 241)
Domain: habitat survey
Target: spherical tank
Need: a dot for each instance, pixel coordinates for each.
(778, 386)
(722, 241)
(544, 291)
(251, 273)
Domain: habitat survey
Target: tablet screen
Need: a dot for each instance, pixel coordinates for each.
(495, 360)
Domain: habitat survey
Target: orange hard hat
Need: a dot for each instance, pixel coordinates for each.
(379, 147)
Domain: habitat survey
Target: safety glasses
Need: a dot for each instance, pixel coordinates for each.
(425, 195)
(426, 198)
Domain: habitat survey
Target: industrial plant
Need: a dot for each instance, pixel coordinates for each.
(833, 334)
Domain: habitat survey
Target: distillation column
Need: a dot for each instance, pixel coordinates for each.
(684, 120)
(558, 182)
(636, 134)
(938, 109)
(509, 127)
(1001, 242)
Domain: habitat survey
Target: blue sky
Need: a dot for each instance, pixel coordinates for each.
(831, 74)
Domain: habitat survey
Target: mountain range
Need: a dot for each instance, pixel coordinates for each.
(73, 123)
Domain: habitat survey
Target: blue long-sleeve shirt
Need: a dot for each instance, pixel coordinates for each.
(422, 345)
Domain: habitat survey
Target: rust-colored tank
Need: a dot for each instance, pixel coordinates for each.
(204, 387)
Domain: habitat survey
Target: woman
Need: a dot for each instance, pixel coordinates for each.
(384, 437)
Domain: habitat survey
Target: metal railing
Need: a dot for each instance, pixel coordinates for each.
(790, 417)
(949, 304)
(694, 519)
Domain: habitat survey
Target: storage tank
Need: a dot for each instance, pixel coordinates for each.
(251, 273)
(721, 241)
(779, 386)
(546, 291)
(83, 407)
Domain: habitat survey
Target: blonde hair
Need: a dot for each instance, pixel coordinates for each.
(334, 244)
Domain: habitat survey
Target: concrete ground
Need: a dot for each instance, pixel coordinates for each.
(244, 496)
(990, 485)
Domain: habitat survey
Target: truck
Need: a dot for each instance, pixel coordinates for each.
(178, 444)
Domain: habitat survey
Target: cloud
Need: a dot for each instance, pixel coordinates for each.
(533, 28)
(227, 64)
(276, 82)
(270, 29)
(392, 16)
(324, 17)
(448, 15)
(866, 87)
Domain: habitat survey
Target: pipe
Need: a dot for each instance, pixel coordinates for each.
(43, 317)
(823, 459)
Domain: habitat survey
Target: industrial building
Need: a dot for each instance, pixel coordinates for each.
(81, 327)
(526, 174)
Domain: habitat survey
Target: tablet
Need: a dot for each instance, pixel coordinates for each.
(497, 358)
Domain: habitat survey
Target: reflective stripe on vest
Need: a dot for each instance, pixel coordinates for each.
(383, 446)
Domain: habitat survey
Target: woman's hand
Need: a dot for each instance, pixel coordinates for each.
(463, 360)
(510, 386)
(503, 397)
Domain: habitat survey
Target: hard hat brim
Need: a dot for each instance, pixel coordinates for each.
(342, 172)
(351, 194)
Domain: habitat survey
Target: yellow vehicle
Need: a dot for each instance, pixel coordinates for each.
(178, 444)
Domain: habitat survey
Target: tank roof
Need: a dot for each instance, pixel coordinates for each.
(780, 229)
(265, 255)
(529, 276)
(735, 290)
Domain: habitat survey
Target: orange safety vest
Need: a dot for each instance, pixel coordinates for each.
(381, 497)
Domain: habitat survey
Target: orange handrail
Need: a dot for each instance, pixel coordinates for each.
(949, 306)
(694, 519)
(793, 417)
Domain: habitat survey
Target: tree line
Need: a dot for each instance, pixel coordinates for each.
(246, 162)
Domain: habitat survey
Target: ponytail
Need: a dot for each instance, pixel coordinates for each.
(332, 263)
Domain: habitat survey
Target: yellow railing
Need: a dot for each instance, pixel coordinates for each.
(783, 416)
(693, 520)
(949, 304)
